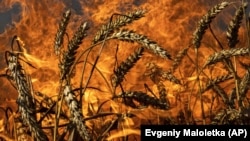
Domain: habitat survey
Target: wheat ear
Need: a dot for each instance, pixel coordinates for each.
(25, 101)
(75, 110)
(61, 31)
(162, 92)
(157, 74)
(131, 36)
(221, 93)
(234, 25)
(144, 99)
(203, 24)
(69, 56)
(217, 80)
(125, 66)
(120, 21)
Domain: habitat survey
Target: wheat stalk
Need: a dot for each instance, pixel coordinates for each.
(25, 101)
(177, 60)
(203, 24)
(131, 36)
(125, 66)
(144, 99)
(69, 56)
(221, 93)
(120, 21)
(234, 25)
(225, 54)
(61, 31)
(77, 117)
(217, 80)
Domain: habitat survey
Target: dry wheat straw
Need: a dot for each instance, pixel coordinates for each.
(144, 99)
(25, 100)
(162, 92)
(76, 113)
(131, 36)
(125, 66)
(221, 93)
(120, 21)
(225, 54)
(217, 80)
(203, 24)
(234, 25)
(69, 56)
(61, 31)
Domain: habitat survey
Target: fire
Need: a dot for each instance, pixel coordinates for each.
(170, 24)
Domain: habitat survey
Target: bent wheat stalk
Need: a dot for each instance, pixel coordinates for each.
(145, 99)
(120, 21)
(131, 36)
(125, 66)
(234, 25)
(69, 56)
(225, 54)
(75, 110)
(203, 24)
(25, 101)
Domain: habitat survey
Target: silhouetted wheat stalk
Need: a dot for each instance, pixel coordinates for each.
(226, 116)
(234, 25)
(125, 66)
(77, 117)
(220, 91)
(120, 21)
(177, 60)
(131, 36)
(205, 21)
(144, 99)
(225, 54)
(69, 55)
(157, 74)
(163, 93)
(25, 100)
(61, 31)
(217, 80)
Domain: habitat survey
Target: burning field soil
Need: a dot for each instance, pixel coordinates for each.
(80, 70)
